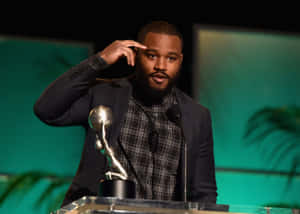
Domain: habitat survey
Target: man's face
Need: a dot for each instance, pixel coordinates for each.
(158, 66)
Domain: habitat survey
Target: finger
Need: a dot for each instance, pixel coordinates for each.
(128, 53)
(131, 43)
(130, 56)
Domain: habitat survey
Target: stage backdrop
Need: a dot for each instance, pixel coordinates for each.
(27, 67)
(236, 73)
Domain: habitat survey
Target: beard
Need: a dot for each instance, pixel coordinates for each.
(149, 93)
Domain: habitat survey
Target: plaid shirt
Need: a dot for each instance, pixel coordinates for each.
(156, 170)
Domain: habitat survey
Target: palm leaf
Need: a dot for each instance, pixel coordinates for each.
(23, 182)
(56, 202)
(285, 120)
(26, 182)
(255, 121)
(291, 146)
(295, 165)
(283, 205)
(54, 185)
(281, 148)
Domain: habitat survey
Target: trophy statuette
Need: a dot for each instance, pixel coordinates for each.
(116, 183)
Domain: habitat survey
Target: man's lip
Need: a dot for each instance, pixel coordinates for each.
(158, 79)
(160, 75)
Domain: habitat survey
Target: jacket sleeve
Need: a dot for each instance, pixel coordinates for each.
(204, 187)
(66, 100)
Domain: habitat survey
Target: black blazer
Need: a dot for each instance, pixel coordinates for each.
(68, 101)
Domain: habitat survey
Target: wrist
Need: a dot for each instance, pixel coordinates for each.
(97, 62)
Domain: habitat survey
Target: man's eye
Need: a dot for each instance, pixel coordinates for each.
(172, 58)
(151, 56)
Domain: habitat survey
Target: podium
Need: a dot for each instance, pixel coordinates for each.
(111, 205)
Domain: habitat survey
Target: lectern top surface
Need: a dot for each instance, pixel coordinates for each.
(105, 205)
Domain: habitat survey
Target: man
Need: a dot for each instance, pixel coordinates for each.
(153, 120)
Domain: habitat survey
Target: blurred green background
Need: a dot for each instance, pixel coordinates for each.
(27, 68)
(236, 73)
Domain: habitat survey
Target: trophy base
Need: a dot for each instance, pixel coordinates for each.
(117, 188)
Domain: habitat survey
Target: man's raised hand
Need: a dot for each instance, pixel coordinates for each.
(118, 49)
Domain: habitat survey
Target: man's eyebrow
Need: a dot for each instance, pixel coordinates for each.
(154, 50)
(173, 53)
(151, 50)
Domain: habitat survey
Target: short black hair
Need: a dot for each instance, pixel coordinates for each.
(159, 27)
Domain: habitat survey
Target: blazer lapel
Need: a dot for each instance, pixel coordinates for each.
(119, 108)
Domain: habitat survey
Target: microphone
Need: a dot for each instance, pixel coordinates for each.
(174, 115)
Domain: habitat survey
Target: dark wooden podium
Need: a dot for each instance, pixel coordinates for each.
(105, 205)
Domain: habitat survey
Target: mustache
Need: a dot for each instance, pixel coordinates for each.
(161, 73)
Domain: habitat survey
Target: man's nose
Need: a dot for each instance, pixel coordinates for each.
(160, 64)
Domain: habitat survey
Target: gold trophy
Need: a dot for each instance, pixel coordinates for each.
(116, 183)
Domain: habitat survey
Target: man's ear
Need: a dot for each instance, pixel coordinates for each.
(181, 58)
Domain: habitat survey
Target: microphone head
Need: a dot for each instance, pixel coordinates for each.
(174, 114)
(98, 116)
